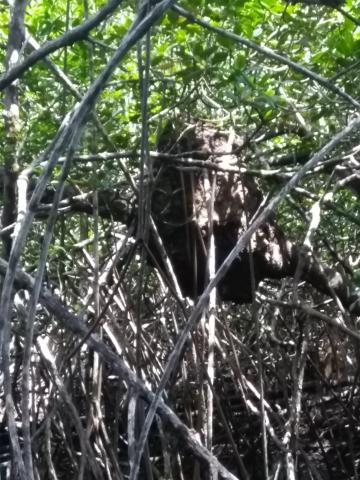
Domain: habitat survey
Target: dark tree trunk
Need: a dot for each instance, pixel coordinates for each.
(180, 208)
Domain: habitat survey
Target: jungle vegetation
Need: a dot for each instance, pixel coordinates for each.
(180, 264)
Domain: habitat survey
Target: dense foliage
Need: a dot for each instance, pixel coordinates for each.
(263, 390)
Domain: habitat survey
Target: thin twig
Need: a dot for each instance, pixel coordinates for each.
(240, 245)
(268, 52)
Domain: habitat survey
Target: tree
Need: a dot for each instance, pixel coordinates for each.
(181, 292)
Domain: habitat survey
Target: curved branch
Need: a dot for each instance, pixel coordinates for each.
(268, 52)
(79, 32)
(74, 324)
(325, 279)
(68, 136)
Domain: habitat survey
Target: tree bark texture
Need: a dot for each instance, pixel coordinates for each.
(12, 120)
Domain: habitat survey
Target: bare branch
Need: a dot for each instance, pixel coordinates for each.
(70, 133)
(241, 245)
(77, 33)
(268, 52)
(74, 324)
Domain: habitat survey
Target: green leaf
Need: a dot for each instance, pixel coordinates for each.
(356, 277)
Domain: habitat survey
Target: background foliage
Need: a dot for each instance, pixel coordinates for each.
(81, 410)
